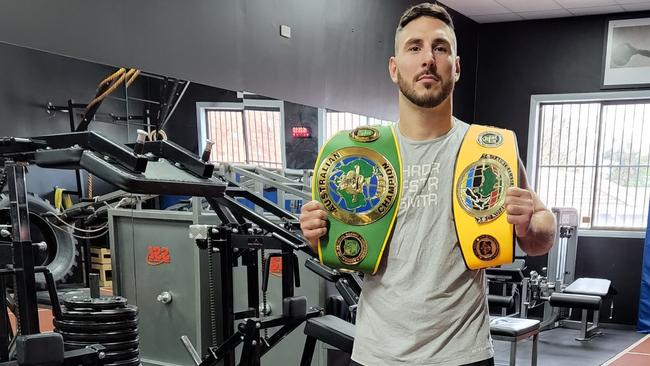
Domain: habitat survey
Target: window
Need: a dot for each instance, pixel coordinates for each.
(595, 156)
(339, 121)
(226, 129)
(246, 133)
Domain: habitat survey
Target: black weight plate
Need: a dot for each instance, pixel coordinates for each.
(99, 337)
(126, 354)
(76, 326)
(100, 303)
(128, 312)
(132, 362)
(110, 346)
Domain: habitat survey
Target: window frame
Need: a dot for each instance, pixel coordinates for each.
(533, 129)
(322, 121)
(201, 108)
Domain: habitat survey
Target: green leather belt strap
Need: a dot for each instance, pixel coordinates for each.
(357, 178)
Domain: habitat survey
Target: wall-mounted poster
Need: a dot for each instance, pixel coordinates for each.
(626, 62)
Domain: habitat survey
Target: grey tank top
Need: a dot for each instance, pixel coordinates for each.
(424, 307)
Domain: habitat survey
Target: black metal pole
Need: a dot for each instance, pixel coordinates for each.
(253, 278)
(4, 324)
(71, 107)
(22, 247)
(227, 296)
(287, 273)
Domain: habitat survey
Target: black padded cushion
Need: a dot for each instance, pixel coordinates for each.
(501, 301)
(511, 272)
(512, 327)
(42, 349)
(331, 330)
(565, 300)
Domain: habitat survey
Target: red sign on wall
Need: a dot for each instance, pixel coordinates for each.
(158, 255)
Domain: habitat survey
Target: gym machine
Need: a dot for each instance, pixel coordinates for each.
(162, 167)
(560, 272)
(29, 345)
(558, 289)
(179, 292)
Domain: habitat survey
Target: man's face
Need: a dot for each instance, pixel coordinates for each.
(425, 65)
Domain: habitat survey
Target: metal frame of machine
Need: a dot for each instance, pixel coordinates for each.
(17, 153)
(169, 169)
(559, 289)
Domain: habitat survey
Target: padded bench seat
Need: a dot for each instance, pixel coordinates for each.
(512, 327)
(589, 286)
(513, 330)
(585, 294)
(331, 330)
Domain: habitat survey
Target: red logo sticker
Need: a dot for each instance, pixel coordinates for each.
(158, 255)
(276, 266)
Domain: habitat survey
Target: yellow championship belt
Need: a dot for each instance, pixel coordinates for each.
(487, 165)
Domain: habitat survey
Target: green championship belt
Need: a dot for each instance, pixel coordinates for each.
(486, 166)
(357, 178)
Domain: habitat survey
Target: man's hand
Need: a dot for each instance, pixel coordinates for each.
(520, 208)
(313, 223)
(534, 223)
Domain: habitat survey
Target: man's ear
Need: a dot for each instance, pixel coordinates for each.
(392, 69)
(457, 76)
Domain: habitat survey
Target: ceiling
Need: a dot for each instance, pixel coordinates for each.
(492, 11)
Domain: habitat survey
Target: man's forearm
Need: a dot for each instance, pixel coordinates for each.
(541, 234)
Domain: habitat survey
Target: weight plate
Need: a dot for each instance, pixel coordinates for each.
(128, 312)
(123, 355)
(132, 362)
(110, 346)
(100, 303)
(99, 337)
(77, 326)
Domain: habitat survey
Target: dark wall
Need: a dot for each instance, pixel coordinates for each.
(337, 57)
(555, 56)
(549, 56)
(619, 260)
(301, 153)
(182, 126)
(30, 80)
(345, 68)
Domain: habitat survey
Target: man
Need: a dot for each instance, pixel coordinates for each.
(424, 307)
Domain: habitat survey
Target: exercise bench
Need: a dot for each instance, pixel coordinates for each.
(584, 294)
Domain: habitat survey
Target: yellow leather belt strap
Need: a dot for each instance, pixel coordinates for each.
(487, 165)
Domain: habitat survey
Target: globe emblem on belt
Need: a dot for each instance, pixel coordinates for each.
(357, 185)
(481, 189)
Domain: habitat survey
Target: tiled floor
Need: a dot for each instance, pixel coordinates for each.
(558, 347)
(44, 320)
(637, 354)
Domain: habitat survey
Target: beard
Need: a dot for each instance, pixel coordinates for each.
(430, 98)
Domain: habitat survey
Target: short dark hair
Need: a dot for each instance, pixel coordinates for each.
(424, 10)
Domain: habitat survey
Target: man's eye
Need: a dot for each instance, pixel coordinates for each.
(441, 49)
(414, 48)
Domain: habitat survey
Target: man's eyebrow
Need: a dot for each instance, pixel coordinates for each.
(442, 40)
(412, 41)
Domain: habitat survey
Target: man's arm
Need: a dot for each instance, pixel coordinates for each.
(534, 223)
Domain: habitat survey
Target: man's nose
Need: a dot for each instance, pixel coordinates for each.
(429, 59)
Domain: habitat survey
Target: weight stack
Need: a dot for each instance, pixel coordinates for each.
(108, 321)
